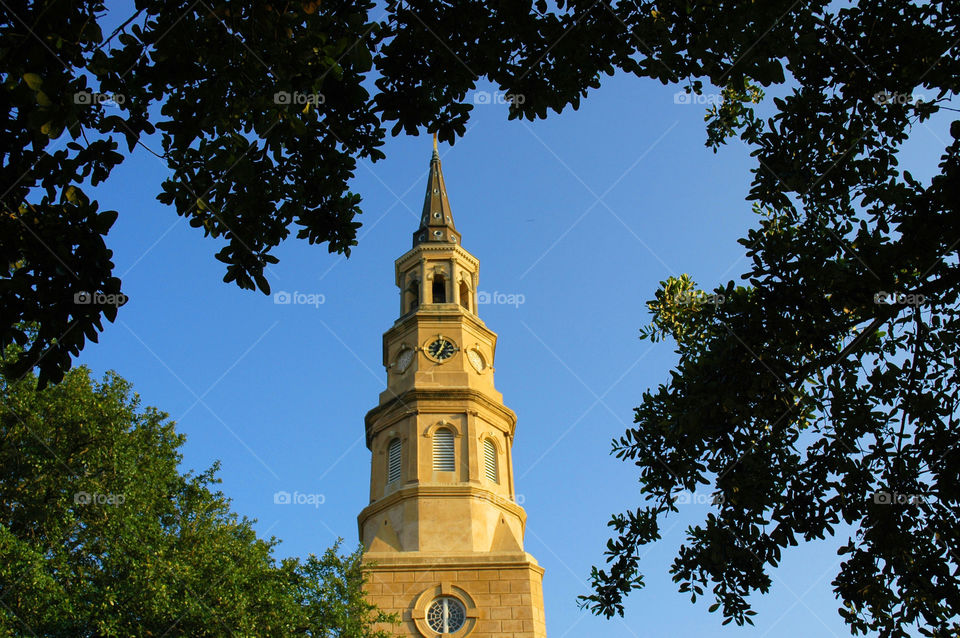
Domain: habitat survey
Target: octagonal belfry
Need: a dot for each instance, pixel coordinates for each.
(443, 533)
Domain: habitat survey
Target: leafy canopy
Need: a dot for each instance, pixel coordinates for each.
(101, 535)
(823, 391)
(256, 109)
(827, 379)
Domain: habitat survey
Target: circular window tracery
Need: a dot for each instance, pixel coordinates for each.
(446, 615)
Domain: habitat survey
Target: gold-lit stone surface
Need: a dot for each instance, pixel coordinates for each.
(452, 533)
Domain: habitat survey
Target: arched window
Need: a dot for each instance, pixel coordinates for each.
(393, 461)
(464, 295)
(412, 296)
(439, 289)
(490, 461)
(443, 456)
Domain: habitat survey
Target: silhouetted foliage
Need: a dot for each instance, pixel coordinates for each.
(822, 387)
(823, 391)
(261, 114)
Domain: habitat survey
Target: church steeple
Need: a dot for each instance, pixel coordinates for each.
(443, 531)
(436, 222)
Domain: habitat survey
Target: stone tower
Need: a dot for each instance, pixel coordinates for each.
(443, 534)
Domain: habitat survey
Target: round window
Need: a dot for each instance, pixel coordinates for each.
(446, 615)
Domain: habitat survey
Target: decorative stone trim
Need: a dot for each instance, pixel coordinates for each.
(405, 492)
(443, 423)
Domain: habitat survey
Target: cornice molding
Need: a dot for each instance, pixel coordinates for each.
(427, 561)
(435, 248)
(419, 401)
(438, 312)
(458, 491)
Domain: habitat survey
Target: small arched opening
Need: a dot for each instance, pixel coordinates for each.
(412, 296)
(439, 289)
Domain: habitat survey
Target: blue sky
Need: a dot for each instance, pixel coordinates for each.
(581, 216)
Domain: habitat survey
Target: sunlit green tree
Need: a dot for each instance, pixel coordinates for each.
(101, 535)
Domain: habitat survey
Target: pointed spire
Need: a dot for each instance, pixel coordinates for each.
(436, 222)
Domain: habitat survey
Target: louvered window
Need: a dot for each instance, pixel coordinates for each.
(490, 461)
(443, 457)
(393, 461)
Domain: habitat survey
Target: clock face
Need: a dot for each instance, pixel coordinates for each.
(441, 349)
(404, 359)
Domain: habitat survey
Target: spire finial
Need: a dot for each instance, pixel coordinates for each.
(436, 223)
